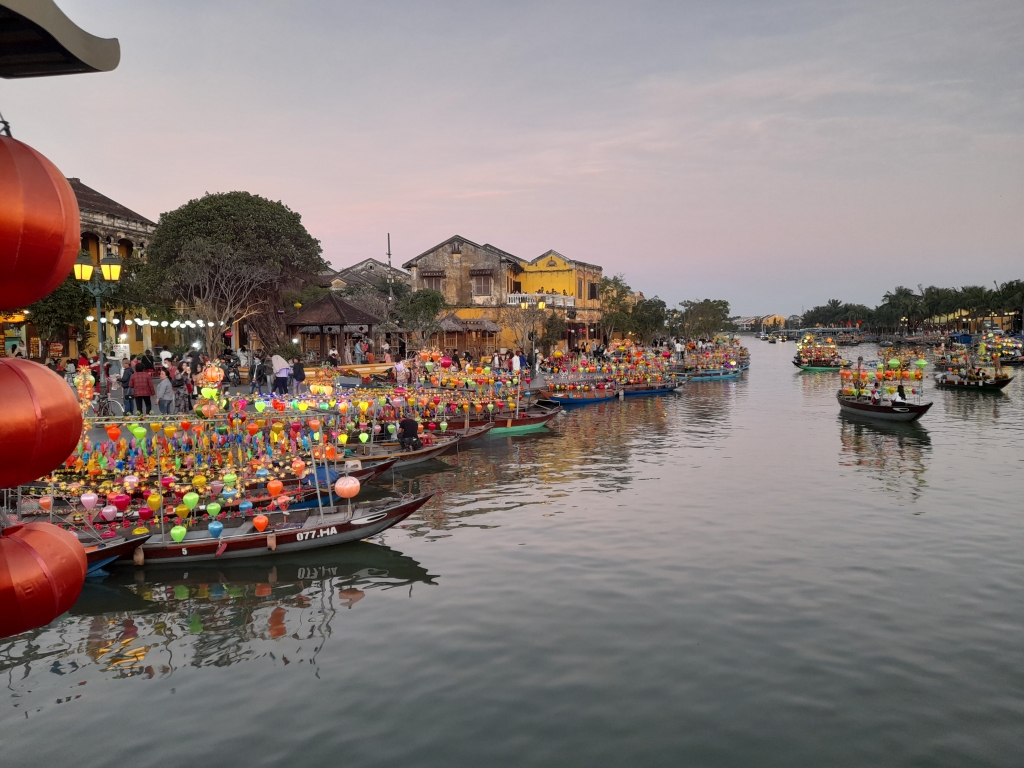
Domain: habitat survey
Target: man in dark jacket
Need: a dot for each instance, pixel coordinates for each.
(298, 376)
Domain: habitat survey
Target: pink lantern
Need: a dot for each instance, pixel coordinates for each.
(120, 501)
(108, 513)
(446, 362)
(216, 487)
(167, 481)
(131, 481)
(89, 500)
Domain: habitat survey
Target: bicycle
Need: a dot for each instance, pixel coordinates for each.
(103, 406)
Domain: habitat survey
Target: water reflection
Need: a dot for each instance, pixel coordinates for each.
(148, 622)
(895, 455)
(981, 407)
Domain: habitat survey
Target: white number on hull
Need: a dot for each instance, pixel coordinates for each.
(316, 534)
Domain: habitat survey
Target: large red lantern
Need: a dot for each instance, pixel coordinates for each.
(41, 423)
(42, 569)
(39, 225)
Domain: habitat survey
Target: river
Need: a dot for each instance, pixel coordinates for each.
(731, 576)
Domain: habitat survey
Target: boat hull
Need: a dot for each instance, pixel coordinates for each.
(991, 385)
(865, 410)
(651, 391)
(335, 527)
(103, 554)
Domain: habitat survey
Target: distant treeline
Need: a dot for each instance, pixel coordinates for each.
(904, 308)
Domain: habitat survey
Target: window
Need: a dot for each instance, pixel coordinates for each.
(579, 287)
(481, 285)
(433, 284)
(592, 291)
(517, 287)
(138, 332)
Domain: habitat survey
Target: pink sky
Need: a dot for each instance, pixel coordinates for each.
(772, 154)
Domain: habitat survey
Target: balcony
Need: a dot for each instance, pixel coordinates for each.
(555, 300)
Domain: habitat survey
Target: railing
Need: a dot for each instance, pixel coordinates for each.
(549, 299)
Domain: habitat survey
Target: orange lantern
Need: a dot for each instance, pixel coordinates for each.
(39, 225)
(42, 569)
(274, 487)
(260, 523)
(42, 421)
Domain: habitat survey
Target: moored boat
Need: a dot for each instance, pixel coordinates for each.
(955, 381)
(861, 407)
(284, 533)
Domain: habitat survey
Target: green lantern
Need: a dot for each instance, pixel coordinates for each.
(363, 437)
(178, 533)
(190, 499)
(894, 363)
(213, 509)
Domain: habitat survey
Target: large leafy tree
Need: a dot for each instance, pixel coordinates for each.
(418, 313)
(229, 255)
(616, 302)
(704, 318)
(521, 323)
(647, 318)
(67, 307)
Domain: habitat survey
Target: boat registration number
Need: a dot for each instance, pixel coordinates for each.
(319, 533)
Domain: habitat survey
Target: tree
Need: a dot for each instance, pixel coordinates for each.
(376, 298)
(521, 322)
(647, 318)
(616, 302)
(419, 311)
(249, 233)
(217, 288)
(552, 332)
(67, 307)
(703, 319)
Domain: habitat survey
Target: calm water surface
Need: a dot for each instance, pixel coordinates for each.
(734, 576)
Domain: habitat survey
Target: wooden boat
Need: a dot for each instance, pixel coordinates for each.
(372, 453)
(643, 390)
(712, 374)
(952, 381)
(468, 436)
(102, 552)
(286, 533)
(577, 399)
(532, 419)
(819, 368)
(862, 408)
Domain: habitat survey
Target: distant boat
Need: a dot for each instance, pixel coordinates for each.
(957, 382)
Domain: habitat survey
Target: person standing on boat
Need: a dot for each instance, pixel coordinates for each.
(875, 394)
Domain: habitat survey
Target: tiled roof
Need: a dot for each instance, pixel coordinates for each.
(91, 200)
(331, 310)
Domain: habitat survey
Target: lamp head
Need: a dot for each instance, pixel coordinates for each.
(110, 266)
(83, 267)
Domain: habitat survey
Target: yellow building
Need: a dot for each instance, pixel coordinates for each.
(480, 282)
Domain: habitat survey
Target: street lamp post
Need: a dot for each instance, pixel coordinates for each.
(99, 284)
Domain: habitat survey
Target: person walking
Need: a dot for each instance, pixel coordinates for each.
(141, 383)
(281, 372)
(257, 376)
(126, 384)
(164, 392)
(298, 376)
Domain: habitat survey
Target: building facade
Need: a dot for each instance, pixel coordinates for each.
(483, 282)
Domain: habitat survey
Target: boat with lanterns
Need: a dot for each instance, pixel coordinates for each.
(814, 353)
(722, 359)
(875, 394)
(972, 380)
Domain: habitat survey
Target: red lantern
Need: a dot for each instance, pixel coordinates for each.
(42, 421)
(39, 225)
(42, 569)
